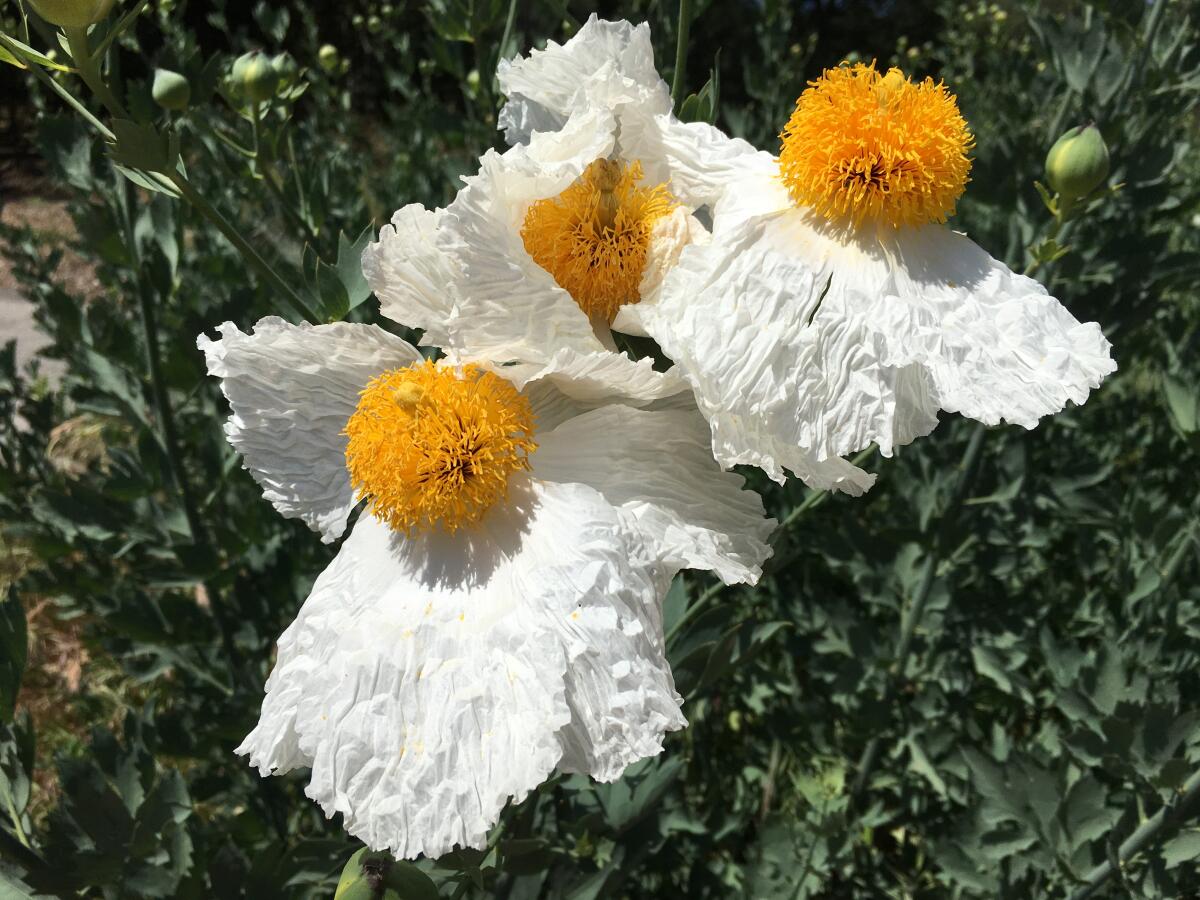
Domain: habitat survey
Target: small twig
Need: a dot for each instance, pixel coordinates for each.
(1174, 813)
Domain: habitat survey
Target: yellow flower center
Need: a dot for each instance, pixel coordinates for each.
(881, 148)
(593, 237)
(431, 445)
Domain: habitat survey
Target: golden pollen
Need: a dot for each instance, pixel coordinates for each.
(594, 236)
(435, 446)
(869, 147)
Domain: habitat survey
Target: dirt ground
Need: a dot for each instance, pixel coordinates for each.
(51, 222)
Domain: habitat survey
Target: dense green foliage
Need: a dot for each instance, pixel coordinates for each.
(977, 681)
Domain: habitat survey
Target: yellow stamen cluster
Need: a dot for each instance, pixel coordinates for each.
(435, 446)
(862, 146)
(594, 236)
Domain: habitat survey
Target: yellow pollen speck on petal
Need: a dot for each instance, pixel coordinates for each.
(866, 147)
(594, 236)
(434, 446)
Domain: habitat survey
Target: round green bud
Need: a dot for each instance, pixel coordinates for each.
(171, 90)
(1077, 164)
(286, 68)
(72, 13)
(327, 58)
(255, 77)
(364, 878)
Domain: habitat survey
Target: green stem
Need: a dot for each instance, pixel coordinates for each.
(168, 432)
(119, 29)
(800, 890)
(16, 820)
(1173, 813)
(916, 610)
(168, 436)
(508, 27)
(681, 47)
(62, 92)
(87, 67)
(243, 246)
(301, 197)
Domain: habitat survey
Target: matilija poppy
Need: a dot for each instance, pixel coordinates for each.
(833, 308)
(564, 237)
(495, 613)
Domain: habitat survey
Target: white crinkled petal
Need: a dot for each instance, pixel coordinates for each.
(700, 162)
(413, 279)
(428, 681)
(996, 346)
(569, 384)
(669, 237)
(291, 389)
(658, 467)
(510, 307)
(794, 335)
(605, 65)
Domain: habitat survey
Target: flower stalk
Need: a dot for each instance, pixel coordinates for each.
(679, 79)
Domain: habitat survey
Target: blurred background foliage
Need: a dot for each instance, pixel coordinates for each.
(978, 681)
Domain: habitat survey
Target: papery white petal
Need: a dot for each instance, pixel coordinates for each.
(569, 384)
(668, 239)
(700, 162)
(291, 389)
(997, 347)
(428, 681)
(658, 466)
(413, 279)
(794, 334)
(511, 308)
(604, 65)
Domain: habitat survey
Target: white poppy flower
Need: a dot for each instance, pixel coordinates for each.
(495, 613)
(567, 235)
(833, 309)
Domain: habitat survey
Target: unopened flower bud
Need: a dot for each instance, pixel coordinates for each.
(72, 13)
(327, 58)
(171, 90)
(365, 878)
(1077, 164)
(255, 77)
(286, 68)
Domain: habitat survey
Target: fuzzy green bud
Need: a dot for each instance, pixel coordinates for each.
(1077, 164)
(255, 77)
(286, 68)
(365, 878)
(171, 90)
(72, 13)
(327, 58)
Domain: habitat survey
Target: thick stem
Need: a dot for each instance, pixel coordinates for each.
(681, 46)
(243, 246)
(87, 67)
(916, 610)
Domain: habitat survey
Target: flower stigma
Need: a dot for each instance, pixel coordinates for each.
(434, 446)
(861, 146)
(594, 236)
